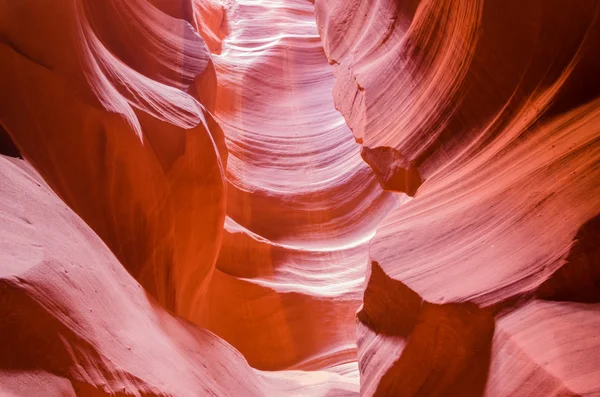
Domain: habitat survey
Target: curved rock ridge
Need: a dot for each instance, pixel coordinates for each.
(99, 107)
(113, 108)
(296, 197)
(294, 170)
(75, 323)
(284, 307)
(496, 106)
(302, 205)
(435, 80)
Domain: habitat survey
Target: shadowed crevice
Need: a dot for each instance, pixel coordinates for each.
(447, 354)
(7, 146)
(578, 280)
(389, 306)
(448, 346)
(392, 170)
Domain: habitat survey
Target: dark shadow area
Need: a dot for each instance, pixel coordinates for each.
(392, 170)
(448, 346)
(447, 354)
(30, 338)
(583, 83)
(578, 280)
(389, 306)
(7, 146)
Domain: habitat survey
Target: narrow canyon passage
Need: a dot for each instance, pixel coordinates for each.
(302, 205)
(283, 198)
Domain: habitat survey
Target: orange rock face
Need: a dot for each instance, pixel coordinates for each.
(293, 197)
(75, 323)
(484, 277)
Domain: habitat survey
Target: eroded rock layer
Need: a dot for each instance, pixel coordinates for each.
(125, 136)
(301, 205)
(98, 106)
(75, 323)
(294, 197)
(494, 104)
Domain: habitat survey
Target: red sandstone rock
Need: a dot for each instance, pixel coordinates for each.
(302, 205)
(200, 141)
(158, 192)
(97, 108)
(496, 106)
(74, 322)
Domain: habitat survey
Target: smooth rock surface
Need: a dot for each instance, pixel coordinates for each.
(75, 323)
(496, 105)
(297, 197)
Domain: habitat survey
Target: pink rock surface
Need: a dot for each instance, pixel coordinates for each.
(302, 205)
(294, 197)
(495, 106)
(74, 321)
(98, 109)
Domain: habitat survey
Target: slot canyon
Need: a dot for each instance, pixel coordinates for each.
(285, 198)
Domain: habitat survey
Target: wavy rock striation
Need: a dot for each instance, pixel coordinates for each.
(301, 204)
(503, 126)
(75, 323)
(113, 107)
(99, 108)
(293, 197)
